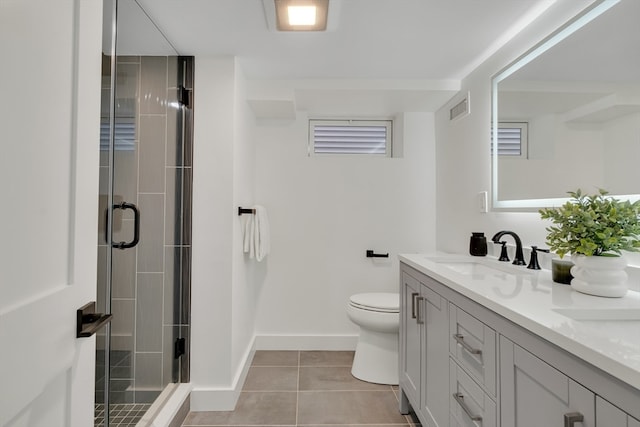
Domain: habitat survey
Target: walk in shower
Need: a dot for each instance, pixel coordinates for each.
(144, 234)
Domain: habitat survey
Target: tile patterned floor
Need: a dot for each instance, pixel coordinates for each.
(307, 388)
(121, 415)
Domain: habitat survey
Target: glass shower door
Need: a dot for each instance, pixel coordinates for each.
(144, 232)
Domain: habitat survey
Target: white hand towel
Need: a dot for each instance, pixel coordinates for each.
(261, 236)
(249, 226)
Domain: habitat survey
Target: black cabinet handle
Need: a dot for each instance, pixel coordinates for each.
(136, 226)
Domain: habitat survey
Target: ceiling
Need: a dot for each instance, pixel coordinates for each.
(413, 53)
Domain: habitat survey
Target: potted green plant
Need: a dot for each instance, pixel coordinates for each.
(595, 230)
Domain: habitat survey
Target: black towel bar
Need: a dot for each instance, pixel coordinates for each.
(371, 254)
(245, 211)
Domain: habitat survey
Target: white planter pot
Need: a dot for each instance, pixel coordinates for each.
(599, 275)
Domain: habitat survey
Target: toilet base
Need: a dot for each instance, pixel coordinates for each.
(376, 358)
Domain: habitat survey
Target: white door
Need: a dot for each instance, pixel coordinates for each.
(49, 130)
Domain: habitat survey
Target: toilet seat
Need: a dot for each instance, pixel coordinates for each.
(381, 302)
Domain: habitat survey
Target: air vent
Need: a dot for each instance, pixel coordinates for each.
(461, 109)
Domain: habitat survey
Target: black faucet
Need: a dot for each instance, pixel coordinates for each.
(519, 259)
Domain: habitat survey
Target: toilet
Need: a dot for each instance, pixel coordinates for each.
(378, 315)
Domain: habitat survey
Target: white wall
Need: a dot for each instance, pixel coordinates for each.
(222, 302)
(463, 149)
(325, 212)
(621, 154)
(243, 298)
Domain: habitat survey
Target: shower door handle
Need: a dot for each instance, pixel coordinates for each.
(136, 226)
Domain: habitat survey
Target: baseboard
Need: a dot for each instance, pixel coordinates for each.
(223, 399)
(306, 342)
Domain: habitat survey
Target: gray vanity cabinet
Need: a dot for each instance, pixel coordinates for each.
(424, 359)
(608, 415)
(410, 339)
(462, 364)
(535, 394)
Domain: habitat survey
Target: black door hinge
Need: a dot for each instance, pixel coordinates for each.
(179, 347)
(184, 96)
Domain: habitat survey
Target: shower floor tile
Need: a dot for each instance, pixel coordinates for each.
(121, 414)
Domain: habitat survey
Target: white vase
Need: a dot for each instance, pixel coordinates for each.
(602, 276)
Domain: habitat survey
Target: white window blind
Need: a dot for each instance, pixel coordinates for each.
(125, 135)
(370, 137)
(512, 140)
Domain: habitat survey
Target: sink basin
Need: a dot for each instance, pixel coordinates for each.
(621, 313)
(469, 267)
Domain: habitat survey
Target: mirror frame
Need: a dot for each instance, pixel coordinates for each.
(577, 22)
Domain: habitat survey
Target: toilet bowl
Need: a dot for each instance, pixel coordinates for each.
(376, 357)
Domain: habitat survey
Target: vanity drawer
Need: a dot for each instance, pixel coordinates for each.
(473, 345)
(469, 405)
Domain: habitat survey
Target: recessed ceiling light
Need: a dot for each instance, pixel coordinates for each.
(301, 15)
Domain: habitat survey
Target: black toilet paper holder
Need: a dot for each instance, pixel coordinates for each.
(371, 254)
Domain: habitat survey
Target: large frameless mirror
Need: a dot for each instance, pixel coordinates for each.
(566, 115)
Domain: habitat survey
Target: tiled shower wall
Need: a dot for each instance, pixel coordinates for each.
(150, 292)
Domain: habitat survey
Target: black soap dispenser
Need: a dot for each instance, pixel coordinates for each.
(478, 244)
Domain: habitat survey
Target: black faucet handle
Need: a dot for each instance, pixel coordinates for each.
(533, 262)
(503, 252)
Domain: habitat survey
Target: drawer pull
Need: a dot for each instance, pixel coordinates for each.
(460, 339)
(459, 398)
(572, 418)
(419, 320)
(413, 304)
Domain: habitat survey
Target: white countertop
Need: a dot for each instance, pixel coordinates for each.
(532, 300)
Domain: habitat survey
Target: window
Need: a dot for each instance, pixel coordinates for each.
(125, 134)
(365, 137)
(512, 139)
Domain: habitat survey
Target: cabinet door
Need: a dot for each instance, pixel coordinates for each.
(535, 394)
(608, 415)
(410, 340)
(435, 359)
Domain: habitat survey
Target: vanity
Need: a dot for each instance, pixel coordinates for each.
(486, 343)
